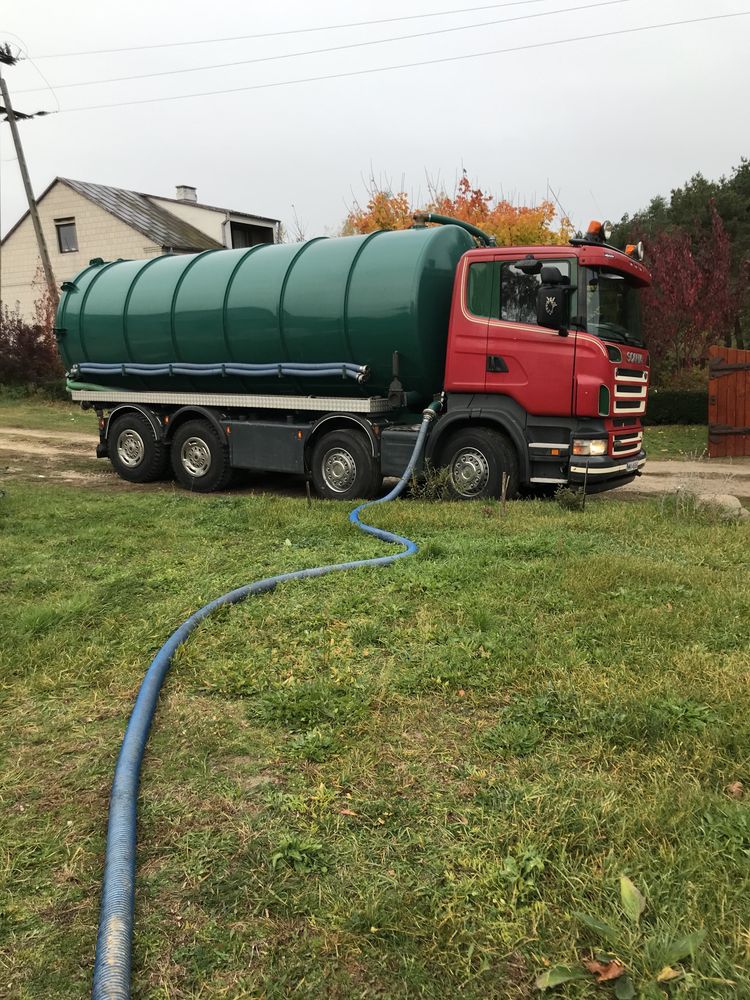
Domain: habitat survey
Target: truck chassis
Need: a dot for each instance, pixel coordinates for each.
(346, 446)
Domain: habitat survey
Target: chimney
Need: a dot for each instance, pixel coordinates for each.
(186, 193)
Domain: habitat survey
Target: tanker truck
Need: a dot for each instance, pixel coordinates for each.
(317, 359)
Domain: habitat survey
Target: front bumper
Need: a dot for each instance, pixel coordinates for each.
(602, 472)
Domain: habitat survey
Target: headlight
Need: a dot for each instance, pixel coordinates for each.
(585, 447)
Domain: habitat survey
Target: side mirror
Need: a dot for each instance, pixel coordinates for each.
(529, 265)
(553, 301)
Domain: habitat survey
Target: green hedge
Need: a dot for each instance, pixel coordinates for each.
(50, 391)
(677, 406)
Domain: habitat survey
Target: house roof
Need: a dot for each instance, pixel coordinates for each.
(139, 211)
(215, 208)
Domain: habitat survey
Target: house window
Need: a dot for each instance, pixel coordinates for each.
(67, 241)
(245, 235)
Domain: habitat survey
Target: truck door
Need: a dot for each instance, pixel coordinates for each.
(470, 313)
(531, 364)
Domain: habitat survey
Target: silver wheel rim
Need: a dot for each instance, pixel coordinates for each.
(339, 470)
(195, 456)
(470, 472)
(130, 448)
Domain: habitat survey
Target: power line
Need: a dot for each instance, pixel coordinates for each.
(47, 87)
(24, 48)
(427, 62)
(331, 48)
(12, 115)
(290, 31)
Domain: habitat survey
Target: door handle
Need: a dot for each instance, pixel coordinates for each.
(496, 363)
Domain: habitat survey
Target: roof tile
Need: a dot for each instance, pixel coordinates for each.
(137, 211)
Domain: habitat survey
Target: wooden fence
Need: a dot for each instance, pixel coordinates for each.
(728, 402)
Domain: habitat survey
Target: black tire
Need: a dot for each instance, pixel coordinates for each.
(134, 451)
(376, 484)
(477, 459)
(200, 458)
(343, 467)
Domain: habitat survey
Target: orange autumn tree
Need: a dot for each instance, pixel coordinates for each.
(511, 225)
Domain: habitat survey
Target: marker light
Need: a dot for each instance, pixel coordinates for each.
(635, 250)
(599, 231)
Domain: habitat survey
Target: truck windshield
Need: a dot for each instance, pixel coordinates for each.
(613, 307)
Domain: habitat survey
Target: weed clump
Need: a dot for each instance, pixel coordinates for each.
(315, 745)
(433, 484)
(302, 706)
(630, 955)
(299, 853)
(570, 498)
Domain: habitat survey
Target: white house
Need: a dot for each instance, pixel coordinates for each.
(82, 221)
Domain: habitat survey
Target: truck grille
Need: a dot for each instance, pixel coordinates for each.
(631, 388)
(628, 443)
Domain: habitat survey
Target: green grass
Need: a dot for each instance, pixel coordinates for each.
(392, 783)
(17, 410)
(675, 441)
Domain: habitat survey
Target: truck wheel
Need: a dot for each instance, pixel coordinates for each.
(200, 459)
(476, 459)
(134, 452)
(343, 467)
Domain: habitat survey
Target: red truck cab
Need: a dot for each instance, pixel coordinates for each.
(546, 342)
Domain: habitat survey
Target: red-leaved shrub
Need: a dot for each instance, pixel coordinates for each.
(28, 353)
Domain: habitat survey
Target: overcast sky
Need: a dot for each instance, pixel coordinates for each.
(609, 122)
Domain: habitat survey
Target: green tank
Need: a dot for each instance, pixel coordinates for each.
(352, 299)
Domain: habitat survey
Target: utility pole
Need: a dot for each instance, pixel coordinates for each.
(11, 117)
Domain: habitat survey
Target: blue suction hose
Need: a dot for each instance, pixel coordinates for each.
(113, 945)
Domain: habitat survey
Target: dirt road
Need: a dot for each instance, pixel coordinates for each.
(68, 456)
(55, 455)
(713, 476)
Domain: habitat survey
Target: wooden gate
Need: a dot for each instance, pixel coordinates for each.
(728, 402)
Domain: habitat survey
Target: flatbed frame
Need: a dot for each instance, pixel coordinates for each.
(316, 404)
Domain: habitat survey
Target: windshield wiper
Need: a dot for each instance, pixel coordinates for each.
(603, 331)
